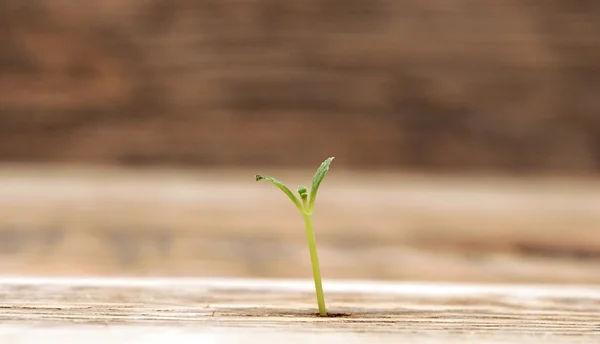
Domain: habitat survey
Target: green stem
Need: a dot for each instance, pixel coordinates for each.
(314, 259)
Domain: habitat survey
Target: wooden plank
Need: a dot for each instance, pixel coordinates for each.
(69, 310)
(393, 226)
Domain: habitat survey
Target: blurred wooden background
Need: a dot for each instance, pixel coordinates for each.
(435, 85)
(447, 119)
(369, 226)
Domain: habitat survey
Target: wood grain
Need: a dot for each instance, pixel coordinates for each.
(102, 221)
(69, 310)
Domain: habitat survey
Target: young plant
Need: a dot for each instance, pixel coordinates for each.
(306, 207)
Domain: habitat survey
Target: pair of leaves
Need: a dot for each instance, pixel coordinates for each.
(301, 203)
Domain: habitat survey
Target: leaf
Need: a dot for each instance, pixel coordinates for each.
(283, 188)
(317, 179)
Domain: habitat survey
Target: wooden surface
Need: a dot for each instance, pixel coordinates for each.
(73, 310)
(393, 226)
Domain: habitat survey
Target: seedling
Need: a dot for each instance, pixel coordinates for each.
(306, 207)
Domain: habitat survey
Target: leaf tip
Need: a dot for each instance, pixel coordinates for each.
(259, 177)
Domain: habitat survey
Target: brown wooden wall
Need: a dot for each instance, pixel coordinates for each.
(435, 84)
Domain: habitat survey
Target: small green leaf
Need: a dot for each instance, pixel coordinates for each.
(317, 179)
(283, 188)
(303, 194)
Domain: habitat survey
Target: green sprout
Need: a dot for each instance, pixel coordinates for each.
(306, 206)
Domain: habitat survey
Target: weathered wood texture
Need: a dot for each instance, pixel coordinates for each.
(229, 311)
(371, 226)
(499, 84)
